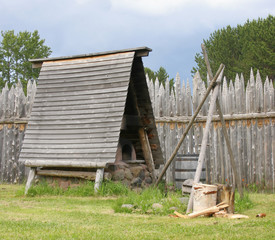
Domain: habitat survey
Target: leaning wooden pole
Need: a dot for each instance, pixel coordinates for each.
(211, 85)
(204, 142)
(236, 176)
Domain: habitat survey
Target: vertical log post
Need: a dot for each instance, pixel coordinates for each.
(236, 176)
(204, 142)
(30, 179)
(211, 85)
(146, 149)
(98, 178)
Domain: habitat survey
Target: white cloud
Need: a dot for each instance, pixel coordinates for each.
(149, 7)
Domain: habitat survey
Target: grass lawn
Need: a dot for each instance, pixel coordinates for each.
(66, 217)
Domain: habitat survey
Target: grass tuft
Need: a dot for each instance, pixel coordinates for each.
(110, 188)
(143, 202)
(242, 204)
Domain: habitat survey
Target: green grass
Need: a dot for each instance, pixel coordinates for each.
(86, 189)
(92, 217)
(242, 204)
(143, 202)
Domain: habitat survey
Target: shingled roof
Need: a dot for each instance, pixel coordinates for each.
(79, 107)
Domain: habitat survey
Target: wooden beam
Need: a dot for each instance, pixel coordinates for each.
(75, 174)
(237, 176)
(216, 118)
(208, 211)
(146, 149)
(63, 163)
(211, 85)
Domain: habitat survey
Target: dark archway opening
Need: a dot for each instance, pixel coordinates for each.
(126, 152)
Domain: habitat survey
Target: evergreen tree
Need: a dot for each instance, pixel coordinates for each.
(161, 74)
(240, 49)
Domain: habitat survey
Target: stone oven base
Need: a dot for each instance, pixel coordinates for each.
(132, 175)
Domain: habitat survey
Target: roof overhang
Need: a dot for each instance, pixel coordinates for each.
(139, 52)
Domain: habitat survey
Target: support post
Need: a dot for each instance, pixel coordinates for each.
(211, 85)
(236, 176)
(146, 149)
(30, 179)
(204, 142)
(98, 178)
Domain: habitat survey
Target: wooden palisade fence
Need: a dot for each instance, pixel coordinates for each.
(15, 109)
(249, 113)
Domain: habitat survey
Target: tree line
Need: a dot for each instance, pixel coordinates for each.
(240, 48)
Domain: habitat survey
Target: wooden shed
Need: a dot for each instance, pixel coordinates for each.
(90, 112)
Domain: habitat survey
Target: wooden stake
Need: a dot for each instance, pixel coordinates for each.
(204, 143)
(211, 85)
(30, 179)
(236, 176)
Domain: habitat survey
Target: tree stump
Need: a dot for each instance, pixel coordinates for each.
(227, 195)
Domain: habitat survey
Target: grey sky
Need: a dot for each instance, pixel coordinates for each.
(174, 29)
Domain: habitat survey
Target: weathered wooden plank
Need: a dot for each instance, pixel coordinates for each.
(73, 116)
(74, 174)
(189, 99)
(63, 163)
(66, 152)
(55, 84)
(248, 152)
(259, 101)
(67, 146)
(185, 119)
(101, 67)
(107, 157)
(253, 149)
(2, 150)
(252, 92)
(78, 141)
(89, 59)
(242, 92)
(61, 136)
(260, 154)
(273, 152)
(56, 122)
(80, 100)
(84, 89)
(83, 92)
(4, 153)
(268, 178)
(239, 149)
